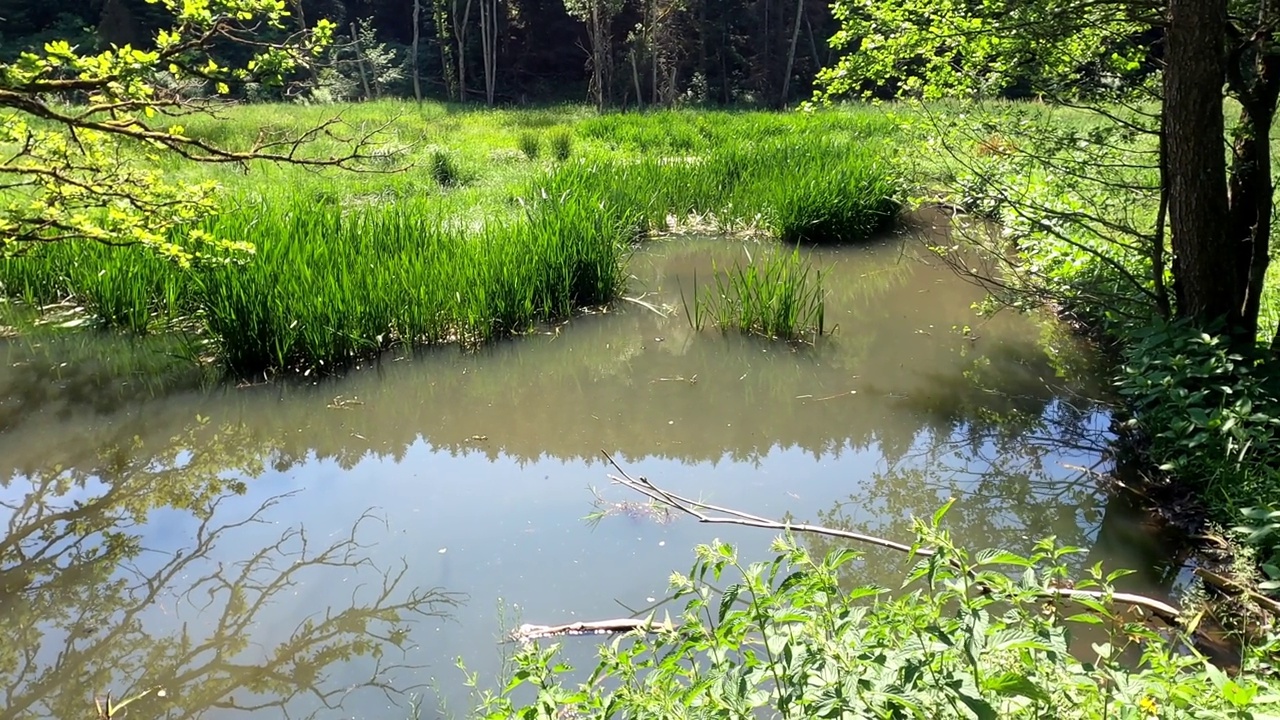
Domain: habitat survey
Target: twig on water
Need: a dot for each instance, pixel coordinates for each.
(714, 514)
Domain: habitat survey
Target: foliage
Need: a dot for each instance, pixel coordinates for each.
(1206, 411)
(794, 638)
(91, 171)
(530, 144)
(777, 296)
(986, 49)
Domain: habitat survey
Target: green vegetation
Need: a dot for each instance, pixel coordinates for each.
(455, 249)
(778, 296)
(798, 637)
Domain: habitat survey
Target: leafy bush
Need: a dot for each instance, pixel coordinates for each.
(1207, 410)
(796, 638)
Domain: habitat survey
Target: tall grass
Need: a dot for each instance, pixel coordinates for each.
(778, 296)
(463, 248)
(329, 285)
(811, 190)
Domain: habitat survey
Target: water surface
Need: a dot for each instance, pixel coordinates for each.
(328, 548)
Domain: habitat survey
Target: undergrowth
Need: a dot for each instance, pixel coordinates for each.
(968, 636)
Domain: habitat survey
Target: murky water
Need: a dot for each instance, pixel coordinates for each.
(401, 516)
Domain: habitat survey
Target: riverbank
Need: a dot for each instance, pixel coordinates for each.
(1075, 198)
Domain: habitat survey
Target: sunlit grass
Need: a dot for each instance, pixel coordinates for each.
(493, 221)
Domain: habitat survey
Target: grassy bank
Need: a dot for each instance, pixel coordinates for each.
(478, 224)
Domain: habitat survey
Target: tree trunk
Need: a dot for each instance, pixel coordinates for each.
(1195, 69)
(791, 54)
(417, 31)
(1253, 78)
(489, 46)
(355, 44)
(460, 36)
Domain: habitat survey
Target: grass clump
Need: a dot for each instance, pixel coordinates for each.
(444, 168)
(530, 144)
(401, 275)
(560, 143)
(779, 296)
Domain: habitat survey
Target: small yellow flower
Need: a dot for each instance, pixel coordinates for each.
(1148, 706)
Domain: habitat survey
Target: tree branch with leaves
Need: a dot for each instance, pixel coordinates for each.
(82, 135)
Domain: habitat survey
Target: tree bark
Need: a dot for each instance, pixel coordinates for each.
(1253, 78)
(355, 44)
(1195, 71)
(460, 37)
(417, 32)
(791, 53)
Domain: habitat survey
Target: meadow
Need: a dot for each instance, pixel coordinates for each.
(467, 225)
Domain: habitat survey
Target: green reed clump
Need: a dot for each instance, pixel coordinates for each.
(130, 288)
(327, 285)
(530, 144)
(803, 189)
(847, 199)
(560, 143)
(444, 168)
(778, 296)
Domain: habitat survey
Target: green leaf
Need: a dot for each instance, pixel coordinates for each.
(726, 601)
(980, 707)
(1012, 683)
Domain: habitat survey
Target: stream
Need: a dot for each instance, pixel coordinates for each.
(327, 548)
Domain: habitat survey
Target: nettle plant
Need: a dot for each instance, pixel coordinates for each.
(796, 638)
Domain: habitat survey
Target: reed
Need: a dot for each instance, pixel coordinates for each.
(777, 296)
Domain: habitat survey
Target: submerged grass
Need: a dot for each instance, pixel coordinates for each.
(483, 235)
(778, 296)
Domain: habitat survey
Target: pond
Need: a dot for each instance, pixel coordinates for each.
(330, 547)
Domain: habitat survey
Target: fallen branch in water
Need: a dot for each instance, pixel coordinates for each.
(713, 514)
(529, 632)
(701, 510)
(1232, 587)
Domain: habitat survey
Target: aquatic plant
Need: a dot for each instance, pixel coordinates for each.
(778, 296)
(403, 274)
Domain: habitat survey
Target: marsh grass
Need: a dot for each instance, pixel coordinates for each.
(530, 144)
(777, 296)
(463, 247)
(560, 143)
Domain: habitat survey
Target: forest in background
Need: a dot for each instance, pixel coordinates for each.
(652, 52)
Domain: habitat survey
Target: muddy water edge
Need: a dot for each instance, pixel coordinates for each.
(329, 547)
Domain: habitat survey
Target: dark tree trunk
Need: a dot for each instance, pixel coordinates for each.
(1253, 78)
(1195, 70)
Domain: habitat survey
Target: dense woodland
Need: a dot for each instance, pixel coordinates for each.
(653, 52)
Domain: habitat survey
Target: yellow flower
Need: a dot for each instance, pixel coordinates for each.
(1148, 706)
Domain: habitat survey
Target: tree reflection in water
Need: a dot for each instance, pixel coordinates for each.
(86, 609)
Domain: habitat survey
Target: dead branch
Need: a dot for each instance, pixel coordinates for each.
(1233, 587)
(712, 514)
